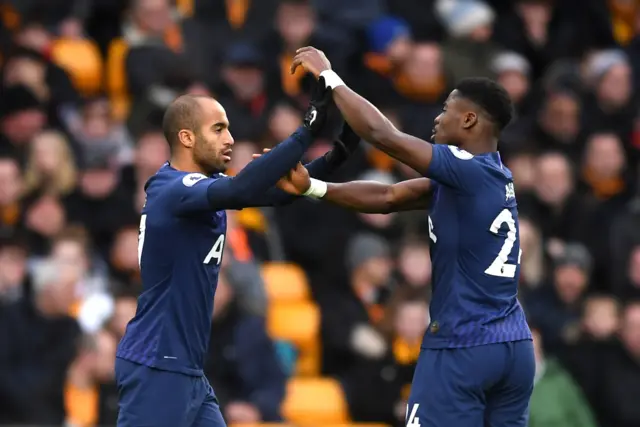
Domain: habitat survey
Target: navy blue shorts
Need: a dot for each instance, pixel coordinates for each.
(488, 386)
(151, 397)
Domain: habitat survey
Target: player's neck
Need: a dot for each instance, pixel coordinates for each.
(185, 165)
(481, 145)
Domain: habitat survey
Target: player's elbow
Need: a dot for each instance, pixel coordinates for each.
(389, 202)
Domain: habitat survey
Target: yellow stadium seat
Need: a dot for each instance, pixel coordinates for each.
(185, 7)
(314, 401)
(81, 405)
(82, 60)
(299, 324)
(117, 78)
(285, 282)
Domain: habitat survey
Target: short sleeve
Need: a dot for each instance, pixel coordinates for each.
(454, 167)
(189, 193)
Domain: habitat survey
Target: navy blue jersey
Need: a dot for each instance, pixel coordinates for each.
(475, 252)
(180, 250)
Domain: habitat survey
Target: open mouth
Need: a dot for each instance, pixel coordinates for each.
(226, 155)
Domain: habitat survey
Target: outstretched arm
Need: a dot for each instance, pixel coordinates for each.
(319, 168)
(259, 175)
(361, 196)
(196, 192)
(365, 119)
(374, 197)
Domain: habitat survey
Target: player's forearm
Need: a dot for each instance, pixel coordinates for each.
(261, 174)
(363, 117)
(371, 125)
(319, 168)
(361, 196)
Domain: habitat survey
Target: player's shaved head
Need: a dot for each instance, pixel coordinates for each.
(184, 113)
(197, 130)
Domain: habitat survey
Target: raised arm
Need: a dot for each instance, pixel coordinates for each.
(365, 119)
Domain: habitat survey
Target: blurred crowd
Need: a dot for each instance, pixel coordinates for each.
(84, 84)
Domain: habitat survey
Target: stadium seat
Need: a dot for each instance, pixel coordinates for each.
(185, 7)
(285, 282)
(299, 324)
(81, 405)
(117, 78)
(314, 401)
(82, 60)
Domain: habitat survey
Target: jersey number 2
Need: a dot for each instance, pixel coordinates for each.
(499, 267)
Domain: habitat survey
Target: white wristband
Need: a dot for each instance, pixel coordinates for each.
(317, 189)
(331, 79)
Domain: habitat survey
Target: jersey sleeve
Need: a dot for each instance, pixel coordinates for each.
(454, 167)
(190, 193)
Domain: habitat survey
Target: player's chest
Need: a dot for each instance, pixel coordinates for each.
(207, 224)
(213, 240)
(443, 220)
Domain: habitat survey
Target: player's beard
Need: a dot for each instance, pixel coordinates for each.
(208, 157)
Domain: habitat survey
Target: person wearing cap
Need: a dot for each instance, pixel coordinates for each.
(349, 331)
(557, 309)
(243, 89)
(468, 51)
(22, 117)
(513, 73)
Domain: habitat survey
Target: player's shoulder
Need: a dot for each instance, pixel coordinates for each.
(492, 164)
(168, 178)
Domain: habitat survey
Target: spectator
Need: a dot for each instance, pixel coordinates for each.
(250, 389)
(11, 188)
(350, 316)
(23, 117)
(468, 52)
(377, 388)
(51, 167)
(557, 204)
(14, 281)
(532, 264)
(557, 308)
(38, 345)
(556, 399)
(414, 264)
(514, 74)
(620, 374)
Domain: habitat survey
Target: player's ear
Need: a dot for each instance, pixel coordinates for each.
(187, 138)
(470, 120)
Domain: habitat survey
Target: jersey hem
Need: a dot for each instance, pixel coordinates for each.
(145, 361)
(431, 342)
